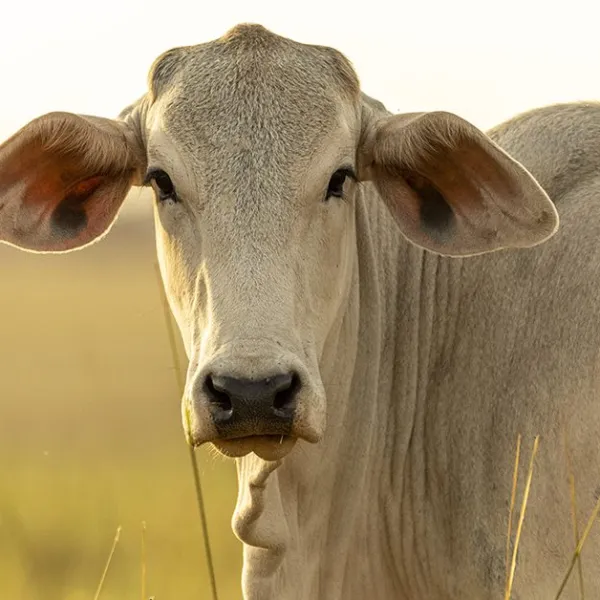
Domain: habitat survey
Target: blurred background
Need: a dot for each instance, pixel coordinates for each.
(90, 432)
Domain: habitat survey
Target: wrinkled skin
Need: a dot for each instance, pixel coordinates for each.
(353, 335)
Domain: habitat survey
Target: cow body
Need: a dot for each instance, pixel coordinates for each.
(408, 497)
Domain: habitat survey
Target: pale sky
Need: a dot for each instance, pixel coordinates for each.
(482, 60)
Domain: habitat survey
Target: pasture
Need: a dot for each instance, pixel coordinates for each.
(90, 431)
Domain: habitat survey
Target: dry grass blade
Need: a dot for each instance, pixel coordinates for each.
(579, 548)
(144, 597)
(574, 512)
(204, 523)
(107, 566)
(513, 495)
(513, 566)
(194, 463)
(576, 533)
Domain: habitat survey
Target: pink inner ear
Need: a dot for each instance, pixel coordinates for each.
(84, 189)
(64, 178)
(50, 181)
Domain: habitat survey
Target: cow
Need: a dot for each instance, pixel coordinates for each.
(375, 307)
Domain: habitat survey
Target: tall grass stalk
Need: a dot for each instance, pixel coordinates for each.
(197, 482)
(576, 532)
(579, 548)
(513, 566)
(574, 513)
(107, 566)
(143, 574)
(513, 496)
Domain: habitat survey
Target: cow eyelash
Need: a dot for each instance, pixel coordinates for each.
(335, 189)
(161, 184)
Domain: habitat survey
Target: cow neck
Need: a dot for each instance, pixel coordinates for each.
(374, 369)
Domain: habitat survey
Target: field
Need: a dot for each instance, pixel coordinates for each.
(91, 436)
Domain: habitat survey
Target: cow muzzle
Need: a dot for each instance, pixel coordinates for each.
(246, 407)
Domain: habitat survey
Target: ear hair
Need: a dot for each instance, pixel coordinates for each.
(69, 135)
(411, 139)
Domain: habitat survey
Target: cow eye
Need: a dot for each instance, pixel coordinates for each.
(162, 185)
(336, 183)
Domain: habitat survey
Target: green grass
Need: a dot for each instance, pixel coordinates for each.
(91, 435)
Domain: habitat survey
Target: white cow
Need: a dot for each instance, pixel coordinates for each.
(352, 337)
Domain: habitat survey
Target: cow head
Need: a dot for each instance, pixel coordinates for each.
(259, 149)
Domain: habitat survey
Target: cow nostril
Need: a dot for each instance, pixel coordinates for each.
(217, 395)
(242, 400)
(285, 398)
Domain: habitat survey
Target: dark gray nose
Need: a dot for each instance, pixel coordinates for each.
(253, 406)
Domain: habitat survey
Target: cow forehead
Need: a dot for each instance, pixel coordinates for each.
(252, 95)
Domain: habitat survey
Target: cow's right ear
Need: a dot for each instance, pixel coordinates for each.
(63, 178)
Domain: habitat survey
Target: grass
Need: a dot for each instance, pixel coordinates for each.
(579, 541)
(107, 566)
(513, 562)
(144, 585)
(579, 548)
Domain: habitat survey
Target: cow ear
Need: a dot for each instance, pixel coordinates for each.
(63, 178)
(450, 188)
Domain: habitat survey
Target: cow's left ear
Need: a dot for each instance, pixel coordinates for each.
(450, 188)
(63, 178)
